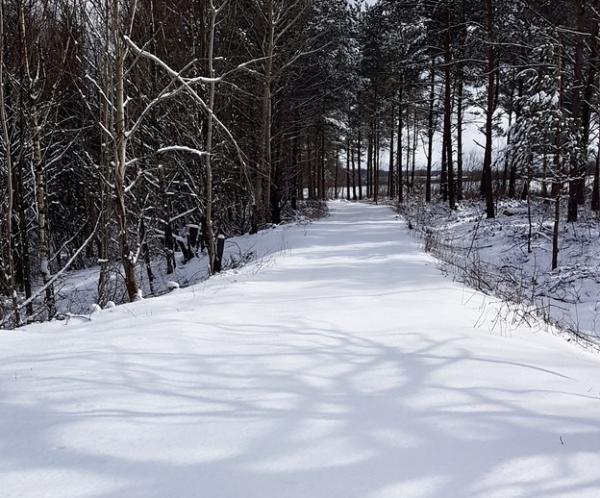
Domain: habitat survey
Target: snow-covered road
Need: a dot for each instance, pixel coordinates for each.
(345, 365)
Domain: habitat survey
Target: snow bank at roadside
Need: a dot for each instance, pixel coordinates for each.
(492, 255)
(77, 291)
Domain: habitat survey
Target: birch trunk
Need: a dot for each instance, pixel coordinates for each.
(120, 153)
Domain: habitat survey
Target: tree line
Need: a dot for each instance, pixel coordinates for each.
(135, 129)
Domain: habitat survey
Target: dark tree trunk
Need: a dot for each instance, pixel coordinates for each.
(323, 191)
(577, 169)
(146, 255)
(391, 169)
(587, 111)
(414, 149)
(408, 149)
(354, 195)
(512, 181)
(399, 147)
(348, 152)
(360, 185)
(596, 188)
(505, 173)
(555, 232)
(459, 133)
(430, 133)
(486, 185)
(370, 162)
(167, 214)
(376, 163)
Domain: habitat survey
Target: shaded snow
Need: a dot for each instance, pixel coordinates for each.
(345, 366)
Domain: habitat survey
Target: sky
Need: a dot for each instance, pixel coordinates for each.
(473, 142)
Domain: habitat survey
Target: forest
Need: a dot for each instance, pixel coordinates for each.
(135, 130)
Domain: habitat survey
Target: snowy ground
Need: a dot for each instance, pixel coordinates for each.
(345, 365)
(496, 258)
(77, 291)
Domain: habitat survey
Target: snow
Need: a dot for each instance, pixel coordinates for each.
(173, 285)
(343, 365)
(568, 296)
(77, 290)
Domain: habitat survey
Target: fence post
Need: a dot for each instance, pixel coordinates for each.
(219, 255)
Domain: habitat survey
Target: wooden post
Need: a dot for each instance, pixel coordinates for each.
(219, 255)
